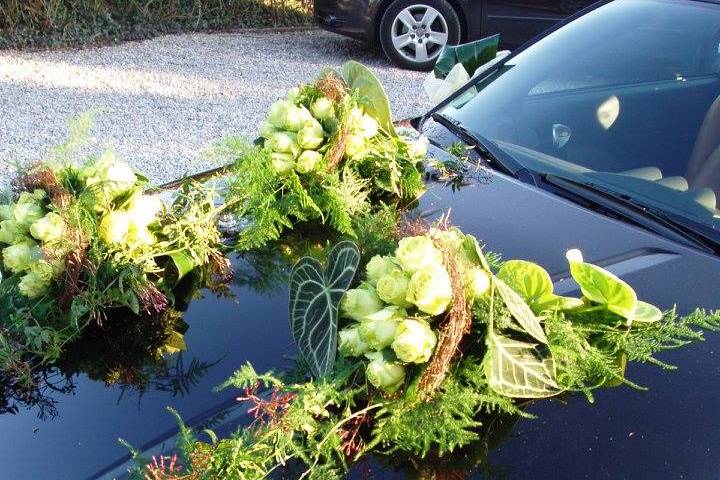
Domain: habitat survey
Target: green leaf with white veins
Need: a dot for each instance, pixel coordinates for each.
(520, 311)
(520, 369)
(315, 295)
(528, 279)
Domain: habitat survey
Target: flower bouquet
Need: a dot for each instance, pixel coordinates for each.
(328, 153)
(79, 240)
(435, 335)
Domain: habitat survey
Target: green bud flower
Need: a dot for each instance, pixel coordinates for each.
(32, 285)
(138, 236)
(368, 126)
(276, 115)
(284, 142)
(19, 257)
(477, 282)
(323, 109)
(451, 238)
(358, 303)
(6, 212)
(266, 129)
(430, 290)
(144, 209)
(311, 136)
(48, 229)
(307, 161)
(378, 334)
(25, 213)
(9, 232)
(282, 163)
(356, 147)
(114, 176)
(385, 375)
(296, 118)
(416, 253)
(350, 344)
(114, 227)
(46, 270)
(392, 288)
(414, 341)
(379, 266)
(354, 119)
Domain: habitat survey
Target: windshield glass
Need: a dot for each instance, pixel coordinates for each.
(627, 97)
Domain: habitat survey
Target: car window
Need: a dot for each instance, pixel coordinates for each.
(628, 95)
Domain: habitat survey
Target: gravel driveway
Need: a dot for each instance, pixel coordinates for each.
(161, 101)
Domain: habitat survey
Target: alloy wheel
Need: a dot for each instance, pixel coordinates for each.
(419, 33)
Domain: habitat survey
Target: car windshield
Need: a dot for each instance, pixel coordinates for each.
(627, 98)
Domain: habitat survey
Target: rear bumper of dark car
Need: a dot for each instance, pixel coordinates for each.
(353, 18)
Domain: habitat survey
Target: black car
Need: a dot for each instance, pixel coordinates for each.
(412, 32)
(604, 135)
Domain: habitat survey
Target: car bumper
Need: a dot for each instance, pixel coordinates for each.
(351, 18)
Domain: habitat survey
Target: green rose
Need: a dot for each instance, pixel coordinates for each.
(19, 257)
(356, 147)
(417, 253)
(307, 161)
(451, 238)
(477, 282)
(47, 270)
(368, 126)
(32, 285)
(311, 136)
(378, 334)
(138, 236)
(323, 109)
(276, 114)
(266, 129)
(430, 290)
(379, 266)
(114, 177)
(48, 229)
(25, 213)
(354, 119)
(392, 288)
(296, 118)
(114, 227)
(144, 209)
(9, 232)
(384, 375)
(414, 341)
(358, 303)
(284, 142)
(282, 163)
(350, 344)
(6, 212)
(293, 94)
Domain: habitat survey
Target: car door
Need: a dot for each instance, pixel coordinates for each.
(519, 20)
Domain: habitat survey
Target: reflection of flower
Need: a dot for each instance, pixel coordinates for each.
(384, 375)
(414, 341)
(358, 303)
(415, 253)
(430, 290)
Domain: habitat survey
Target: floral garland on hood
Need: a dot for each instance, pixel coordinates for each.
(436, 335)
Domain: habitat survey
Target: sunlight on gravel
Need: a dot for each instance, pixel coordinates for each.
(160, 102)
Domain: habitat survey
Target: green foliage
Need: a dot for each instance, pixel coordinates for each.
(70, 22)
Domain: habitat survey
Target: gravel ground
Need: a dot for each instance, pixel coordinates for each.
(160, 102)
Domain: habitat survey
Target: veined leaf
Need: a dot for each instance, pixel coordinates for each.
(601, 286)
(528, 279)
(520, 369)
(555, 302)
(314, 298)
(376, 102)
(520, 311)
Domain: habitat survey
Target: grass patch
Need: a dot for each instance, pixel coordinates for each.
(54, 23)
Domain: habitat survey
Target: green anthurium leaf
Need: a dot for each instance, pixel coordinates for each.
(555, 302)
(520, 311)
(374, 100)
(183, 262)
(647, 313)
(600, 286)
(315, 295)
(528, 279)
(472, 55)
(520, 369)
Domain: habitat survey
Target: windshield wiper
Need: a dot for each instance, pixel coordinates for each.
(653, 219)
(484, 146)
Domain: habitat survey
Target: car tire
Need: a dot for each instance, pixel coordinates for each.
(410, 40)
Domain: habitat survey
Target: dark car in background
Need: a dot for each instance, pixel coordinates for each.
(412, 32)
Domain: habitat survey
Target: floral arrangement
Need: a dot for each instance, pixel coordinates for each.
(77, 241)
(435, 335)
(328, 154)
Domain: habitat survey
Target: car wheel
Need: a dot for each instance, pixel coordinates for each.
(413, 32)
